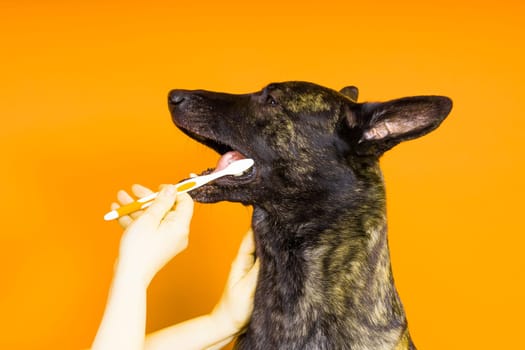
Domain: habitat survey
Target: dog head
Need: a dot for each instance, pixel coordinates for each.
(306, 140)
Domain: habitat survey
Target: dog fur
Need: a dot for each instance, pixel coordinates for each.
(318, 206)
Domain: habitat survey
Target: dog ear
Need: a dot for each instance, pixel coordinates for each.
(351, 92)
(384, 125)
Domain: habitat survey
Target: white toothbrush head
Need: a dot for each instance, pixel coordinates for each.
(238, 167)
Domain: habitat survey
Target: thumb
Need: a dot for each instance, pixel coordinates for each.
(244, 260)
(161, 205)
(179, 219)
(250, 279)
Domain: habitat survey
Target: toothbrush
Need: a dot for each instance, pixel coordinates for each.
(234, 168)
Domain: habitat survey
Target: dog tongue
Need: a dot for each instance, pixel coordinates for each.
(226, 159)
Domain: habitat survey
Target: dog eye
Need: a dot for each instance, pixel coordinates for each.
(270, 100)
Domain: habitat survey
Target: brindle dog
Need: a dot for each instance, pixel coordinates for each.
(318, 206)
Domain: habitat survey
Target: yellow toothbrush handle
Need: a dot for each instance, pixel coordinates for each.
(145, 202)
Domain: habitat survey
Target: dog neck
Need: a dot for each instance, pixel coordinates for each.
(318, 267)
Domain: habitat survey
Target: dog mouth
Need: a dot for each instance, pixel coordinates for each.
(228, 154)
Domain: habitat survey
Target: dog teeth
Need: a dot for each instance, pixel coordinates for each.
(241, 173)
(192, 175)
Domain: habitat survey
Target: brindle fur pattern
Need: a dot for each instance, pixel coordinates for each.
(319, 207)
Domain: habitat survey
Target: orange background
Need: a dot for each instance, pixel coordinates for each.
(83, 105)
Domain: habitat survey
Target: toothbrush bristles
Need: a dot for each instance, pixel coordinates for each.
(240, 174)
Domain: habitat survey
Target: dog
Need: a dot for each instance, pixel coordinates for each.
(318, 198)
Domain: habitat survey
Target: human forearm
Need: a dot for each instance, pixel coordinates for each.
(124, 320)
(211, 330)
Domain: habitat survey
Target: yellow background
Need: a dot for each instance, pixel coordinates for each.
(83, 91)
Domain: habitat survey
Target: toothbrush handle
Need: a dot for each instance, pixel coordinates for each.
(144, 202)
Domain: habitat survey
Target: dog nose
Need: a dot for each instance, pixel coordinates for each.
(176, 97)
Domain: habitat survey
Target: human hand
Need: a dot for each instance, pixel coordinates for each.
(236, 305)
(154, 236)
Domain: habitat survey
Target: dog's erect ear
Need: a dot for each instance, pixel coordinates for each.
(351, 92)
(384, 125)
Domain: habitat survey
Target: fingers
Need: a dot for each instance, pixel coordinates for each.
(244, 261)
(251, 277)
(124, 221)
(124, 198)
(161, 205)
(140, 191)
(180, 218)
(248, 244)
(174, 230)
